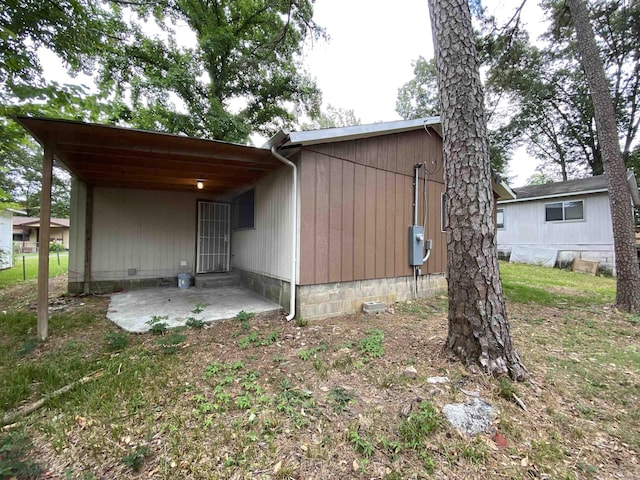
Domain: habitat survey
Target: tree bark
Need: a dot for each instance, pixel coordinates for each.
(478, 324)
(628, 274)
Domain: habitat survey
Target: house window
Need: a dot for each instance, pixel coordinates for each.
(443, 213)
(500, 218)
(561, 211)
(244, 210)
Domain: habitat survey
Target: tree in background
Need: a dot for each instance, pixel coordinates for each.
(331, 118)
(243, 72)
(545, 88)
(478, 325)
(419, 98)
(627, 272)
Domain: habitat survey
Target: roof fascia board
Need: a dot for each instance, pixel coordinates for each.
(341, 134)
(557, 195)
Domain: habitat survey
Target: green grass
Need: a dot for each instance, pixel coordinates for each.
(551, 286)
(14, 275)
(224, 401)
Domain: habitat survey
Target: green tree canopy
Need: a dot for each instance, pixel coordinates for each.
(419, 96)
(241, 74)
(547, 92)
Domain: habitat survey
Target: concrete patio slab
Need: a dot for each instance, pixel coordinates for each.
(132, 310)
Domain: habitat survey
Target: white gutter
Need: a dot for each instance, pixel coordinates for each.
(294, 230)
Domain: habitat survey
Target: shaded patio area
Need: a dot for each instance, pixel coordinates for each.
(133, 309)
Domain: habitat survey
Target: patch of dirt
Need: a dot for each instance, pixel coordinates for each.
(581, 409)
(25, 294)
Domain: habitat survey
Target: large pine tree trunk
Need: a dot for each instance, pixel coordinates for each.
(478, 325)
(628, 274)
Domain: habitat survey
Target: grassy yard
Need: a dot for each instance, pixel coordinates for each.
(258, 397)
(11, 276)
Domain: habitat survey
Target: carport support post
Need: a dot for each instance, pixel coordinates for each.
(43, 249)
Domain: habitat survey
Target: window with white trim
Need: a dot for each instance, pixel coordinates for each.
(500, 217)
(564, 211)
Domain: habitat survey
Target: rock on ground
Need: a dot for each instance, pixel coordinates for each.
(473, 418)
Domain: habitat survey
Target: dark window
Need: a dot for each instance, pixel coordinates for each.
(500, 218)
(244, 210)
(573, 210)
(564, 211)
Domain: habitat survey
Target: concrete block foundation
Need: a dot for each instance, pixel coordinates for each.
(332, 299)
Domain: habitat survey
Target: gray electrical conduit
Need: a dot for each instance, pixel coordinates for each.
(294, 229)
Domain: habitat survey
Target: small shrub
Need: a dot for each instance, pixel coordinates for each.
(56, 247)
(417, 426)
(243, 316)
(135, 458)
(340, 399)
(116, 341)
(252, 338)
(28, 346)
(301, 322)
(194, 323)
(371, 345)
(360, 444)
(158, 326)
(198, 309)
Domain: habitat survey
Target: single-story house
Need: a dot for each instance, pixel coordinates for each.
(6, 243)
(26, 231)
(330, 209)
(562, 220)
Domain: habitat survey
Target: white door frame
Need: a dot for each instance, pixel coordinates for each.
(213, 237)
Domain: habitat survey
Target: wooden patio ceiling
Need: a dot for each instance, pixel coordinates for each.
(115, 157)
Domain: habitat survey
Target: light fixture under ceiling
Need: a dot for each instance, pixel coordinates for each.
(199, 184)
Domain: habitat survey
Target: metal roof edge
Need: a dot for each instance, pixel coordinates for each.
(13, 210)
(557, 195)
(341, 134)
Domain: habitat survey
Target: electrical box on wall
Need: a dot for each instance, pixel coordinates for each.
(416, 245)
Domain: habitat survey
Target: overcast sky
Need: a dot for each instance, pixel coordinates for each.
(368, 56)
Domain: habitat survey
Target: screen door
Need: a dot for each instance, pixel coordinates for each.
(213, 237)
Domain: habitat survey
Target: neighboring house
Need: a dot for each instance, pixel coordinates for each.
(6, 243)
(26, 231)
(562, 221)
(147, 206)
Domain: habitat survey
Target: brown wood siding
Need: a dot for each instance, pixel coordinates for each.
(356, 207)
(359, 216)
(323, 168)
(335, 220)
(348, 189)
(307, 219)
(390, 253)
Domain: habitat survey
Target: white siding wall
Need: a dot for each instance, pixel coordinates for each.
(150, 231)
(266, 249)
(77, 230)
(524, 224)
(6, 238)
